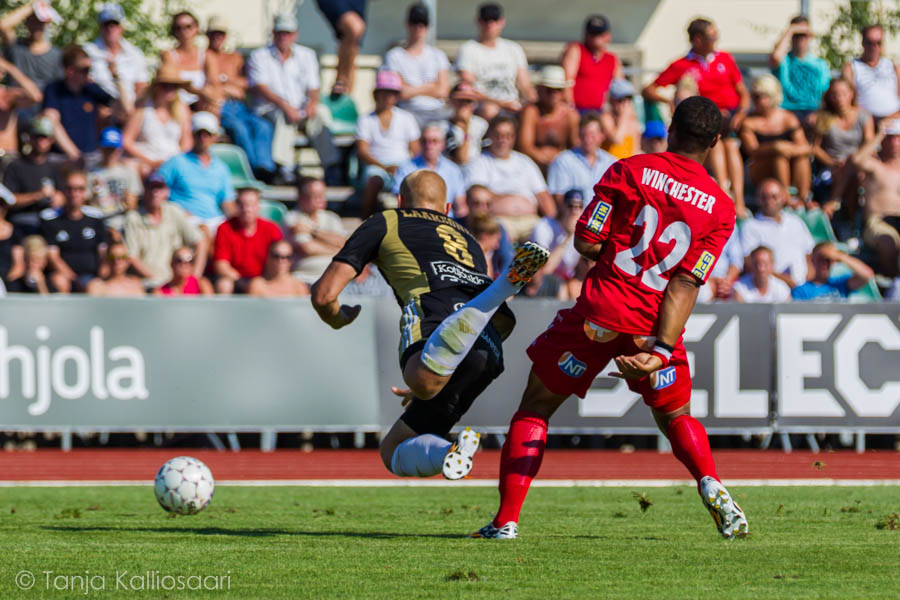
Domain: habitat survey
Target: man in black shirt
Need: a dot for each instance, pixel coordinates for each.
(76, 237)
(453, 323)
(33, 179)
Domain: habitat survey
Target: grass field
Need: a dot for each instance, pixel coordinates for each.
(280, 542)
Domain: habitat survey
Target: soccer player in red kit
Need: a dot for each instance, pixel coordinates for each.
(656, 227)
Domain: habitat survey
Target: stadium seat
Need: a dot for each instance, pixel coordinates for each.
(819, 225)
(867, 293)
(273, 211)
(236, 161)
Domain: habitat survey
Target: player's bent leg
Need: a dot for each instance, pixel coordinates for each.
(424, 383)
(449, 344)
(405, 453)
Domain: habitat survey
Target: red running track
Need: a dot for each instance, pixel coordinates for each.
(107, 465)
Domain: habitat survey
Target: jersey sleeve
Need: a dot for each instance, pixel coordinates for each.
(702, 256)
(594, 224)
(670, 76)
(362, 246)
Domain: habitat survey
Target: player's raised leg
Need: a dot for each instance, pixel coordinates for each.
(405, 453)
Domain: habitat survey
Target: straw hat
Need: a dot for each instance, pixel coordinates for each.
(169, 74)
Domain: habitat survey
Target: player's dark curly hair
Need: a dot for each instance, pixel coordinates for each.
(696, 122)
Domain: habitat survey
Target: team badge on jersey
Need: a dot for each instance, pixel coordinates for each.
(663, 378)
(598, 217)
(703, 265)
(571, 366)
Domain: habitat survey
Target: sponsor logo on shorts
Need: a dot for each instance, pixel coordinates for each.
(703, 265)
(664, 378)
(450, 271)
(571, 366)
(598, 217)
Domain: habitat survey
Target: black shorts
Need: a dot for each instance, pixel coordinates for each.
(479, 368)
(335, 9)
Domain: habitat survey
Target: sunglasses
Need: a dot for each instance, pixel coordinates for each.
(183, 260)
(871, 42)
(76, 188)
(183, 26)
(118, 257)
(82, 70)
(277, 256)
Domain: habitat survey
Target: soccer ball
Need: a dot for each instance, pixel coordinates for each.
(184, 485)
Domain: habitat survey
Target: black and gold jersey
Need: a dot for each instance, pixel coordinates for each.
(432, 263)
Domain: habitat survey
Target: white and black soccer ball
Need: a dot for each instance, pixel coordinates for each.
(184, 485)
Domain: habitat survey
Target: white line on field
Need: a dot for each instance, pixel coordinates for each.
(469, 483)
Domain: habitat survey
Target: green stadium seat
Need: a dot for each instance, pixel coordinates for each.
(273, 211)
(819, 225)
(236, 161)
(343, 114)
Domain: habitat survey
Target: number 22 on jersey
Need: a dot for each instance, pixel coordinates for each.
(652, 276)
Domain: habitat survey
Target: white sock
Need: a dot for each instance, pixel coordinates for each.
(420, 456)
(449, 344)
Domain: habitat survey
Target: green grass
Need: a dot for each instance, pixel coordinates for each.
(405, 543)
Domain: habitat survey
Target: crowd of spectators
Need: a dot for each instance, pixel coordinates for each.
(112, 186)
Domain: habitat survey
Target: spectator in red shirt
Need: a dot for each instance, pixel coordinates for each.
(719, 79)
(242, 244)
(590, 66)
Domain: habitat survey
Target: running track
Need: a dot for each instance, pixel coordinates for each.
(294, 465)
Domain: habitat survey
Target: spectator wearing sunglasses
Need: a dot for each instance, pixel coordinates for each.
(277, 281)
(117, 282)
(184, 282)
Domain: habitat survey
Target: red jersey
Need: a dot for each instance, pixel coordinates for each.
(593, 79)
(717, 77)
(246, 253)
(655, 214)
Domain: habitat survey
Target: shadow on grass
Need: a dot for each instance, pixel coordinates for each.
(254, 532)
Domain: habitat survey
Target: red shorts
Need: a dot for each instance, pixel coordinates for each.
(568, 356)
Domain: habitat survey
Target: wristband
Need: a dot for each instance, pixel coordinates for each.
(663, 352)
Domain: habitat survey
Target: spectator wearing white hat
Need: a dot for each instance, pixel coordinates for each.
(385, 138)
(284, 77)
(623, 129)
(33, 54)
(424, 69)
(198, 181)
(114, 59)
(550, 125)
(581, 167)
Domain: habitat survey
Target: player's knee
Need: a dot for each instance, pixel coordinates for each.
(351, 27)
(387, 454)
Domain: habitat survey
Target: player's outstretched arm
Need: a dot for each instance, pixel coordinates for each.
(325, 292)
(588, 249)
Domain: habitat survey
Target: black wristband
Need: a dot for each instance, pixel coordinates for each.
(664, 346)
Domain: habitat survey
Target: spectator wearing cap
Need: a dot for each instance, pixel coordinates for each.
(519, 191)
(242, 244)
(160, 127)
(276, 280)
(879, 160)
(623, 128)
(185, 281)
(720, 80)
(114, 184)
(875, 76)
(550, 125)
(432, 158)
(581, 167)
(784, 234)
(76, 237)
(23, 93)
(317, 234)
(116, 282)
(590, 66)
(155, 230)
(466, 130)
(34, 55)
(557, 234)
(199, 182)
(772, 138)
(760, 285)
(824, 286)
(76, 106)
(655, 137)
(187, 60)
(803, 75)
(424, 70)
(284, 77)
(116, 64)
(385, 138)
(348, 20)
(34, 180)
(225, 76)
(496, 67)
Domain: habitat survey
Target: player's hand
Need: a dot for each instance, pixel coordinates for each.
(406, 394)
(636, 367)
(347, 314)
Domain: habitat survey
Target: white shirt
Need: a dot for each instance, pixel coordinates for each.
(516, 175)
(776, 291)
(389, 146)
(477, 129)
(877, 87)
(570, 170)
(495, 69)
(416, 71)
(131, 65)
(549, 233)
(789, 240)
(291, 79)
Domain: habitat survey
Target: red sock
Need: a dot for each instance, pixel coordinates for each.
(691, 446)
(519, 463)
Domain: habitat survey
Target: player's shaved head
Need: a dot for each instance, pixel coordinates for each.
(423, 189)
